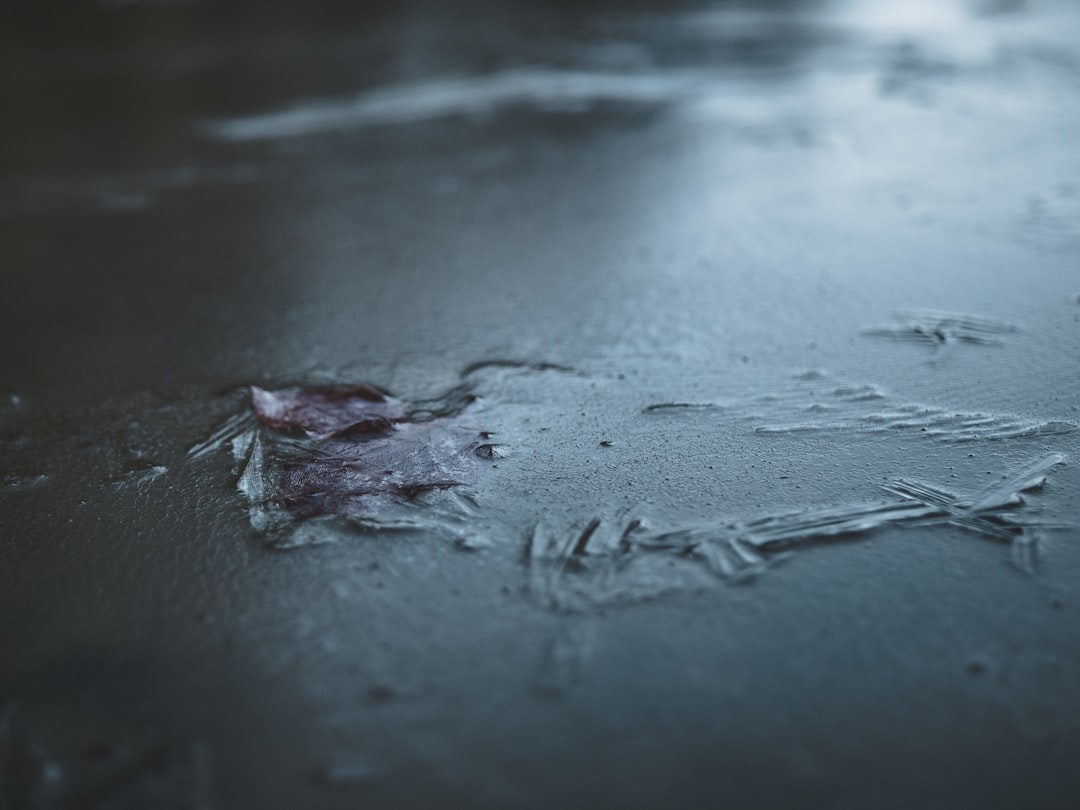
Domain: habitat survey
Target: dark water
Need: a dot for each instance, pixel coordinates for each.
(767, 315)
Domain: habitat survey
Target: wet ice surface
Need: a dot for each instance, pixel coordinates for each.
(772, 310)
(650, 521)
(121, 193)
(28, 775)
(112, 775)
(355, 452)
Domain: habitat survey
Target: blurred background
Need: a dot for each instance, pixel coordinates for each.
(205, 161)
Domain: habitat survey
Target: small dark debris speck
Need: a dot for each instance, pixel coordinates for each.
(975, 667)
(380, 693)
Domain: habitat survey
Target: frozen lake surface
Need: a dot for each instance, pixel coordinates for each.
(538, 404)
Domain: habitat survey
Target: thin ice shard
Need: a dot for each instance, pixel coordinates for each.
(518, 365)
(814, 405)
(934, 423)
(952, 508)
(941, 329)
(1005, 492)
(138, 474)
(808, 525)
(241, 444)
(253, 483)
(605, 571)
(615, 561)
(225, 433)
(668, 407)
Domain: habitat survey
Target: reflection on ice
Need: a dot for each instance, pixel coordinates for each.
(704, 57)
(546, 90)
